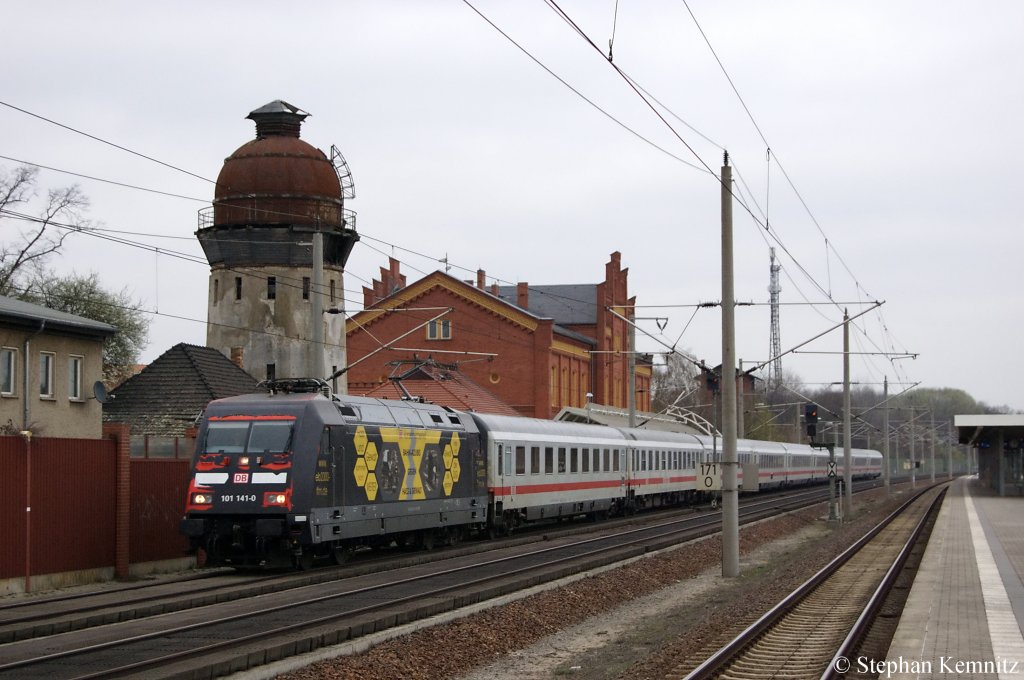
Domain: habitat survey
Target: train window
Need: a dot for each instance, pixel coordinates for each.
(348, 411)
(549, 460)
(437, 418)
(574, 460)
(607, 461)
(585, 461)
(643, 461)
(561, 459)
(505, 455)
(454, 420)
(664, 460)
(535, 459)
(615, 459)
(597, 461)
(271, 436)
(520, 460)
(227, 437)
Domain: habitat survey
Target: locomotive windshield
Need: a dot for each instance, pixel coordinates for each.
(249, 436)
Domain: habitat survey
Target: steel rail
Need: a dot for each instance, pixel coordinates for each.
(717, 661)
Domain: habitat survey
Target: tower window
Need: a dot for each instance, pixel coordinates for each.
(439, 329)
(305, 287)
(271, 287)
(271, 371)
(238, 288)
(332, 290)
(216, 290)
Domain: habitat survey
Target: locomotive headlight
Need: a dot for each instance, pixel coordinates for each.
(202, 499)
(243, 461)
(275, 498)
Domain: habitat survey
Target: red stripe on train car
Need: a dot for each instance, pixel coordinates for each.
(521, 489)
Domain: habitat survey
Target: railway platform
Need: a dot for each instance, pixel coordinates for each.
(965, 612)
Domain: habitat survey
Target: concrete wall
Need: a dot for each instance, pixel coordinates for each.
(274, 331)
(59, 415)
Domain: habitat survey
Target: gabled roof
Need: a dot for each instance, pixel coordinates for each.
(401, 298)
(19, 312)
(444, 387)
(568, 304)
(165, 397)
(503, 308)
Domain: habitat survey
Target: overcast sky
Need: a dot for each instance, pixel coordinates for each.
(898, 124)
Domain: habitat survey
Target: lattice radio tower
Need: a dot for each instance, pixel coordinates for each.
(775, 366)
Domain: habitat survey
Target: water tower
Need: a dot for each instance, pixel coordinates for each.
(277, 198)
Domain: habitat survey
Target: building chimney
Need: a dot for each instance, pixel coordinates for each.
(238, 357)
(523, 295)
(481, 279)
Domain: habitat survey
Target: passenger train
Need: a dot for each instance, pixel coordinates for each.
(295, 473)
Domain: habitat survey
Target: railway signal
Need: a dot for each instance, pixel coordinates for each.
(811, 418)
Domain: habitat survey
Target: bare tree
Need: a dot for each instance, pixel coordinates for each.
(42, 233)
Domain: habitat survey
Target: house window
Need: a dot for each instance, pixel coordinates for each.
(439, 329)
(8, 362)
(271, 287)
(305, 287)
(75, 378)
(46, 360)
(238, 288)
(271, 371)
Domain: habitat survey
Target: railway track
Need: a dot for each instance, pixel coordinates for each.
(259, 628)
(41, 616)
(816, 630)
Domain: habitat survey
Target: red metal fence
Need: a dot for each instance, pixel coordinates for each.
(158, 491)
(80, 513)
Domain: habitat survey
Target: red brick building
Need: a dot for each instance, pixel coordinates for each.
(537, 348)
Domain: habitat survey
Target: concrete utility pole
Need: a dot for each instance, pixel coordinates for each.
(730, 494)
(913, 462)
(932, 436)
(847, 443)
(885, 437)
(740, 389)
(631, 369)
(316, 308)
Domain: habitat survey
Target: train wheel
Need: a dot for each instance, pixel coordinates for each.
(427, 540)
(340, 553)
(304, 560)
(454, 535)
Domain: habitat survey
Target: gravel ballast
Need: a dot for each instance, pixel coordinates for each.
(649, 619)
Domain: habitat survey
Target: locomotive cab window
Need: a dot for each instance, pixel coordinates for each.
(259, 436)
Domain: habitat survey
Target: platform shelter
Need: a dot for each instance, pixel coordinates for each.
(998, 441)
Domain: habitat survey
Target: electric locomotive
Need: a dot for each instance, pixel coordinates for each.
(282, 477)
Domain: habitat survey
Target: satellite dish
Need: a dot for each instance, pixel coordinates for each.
(99, 391)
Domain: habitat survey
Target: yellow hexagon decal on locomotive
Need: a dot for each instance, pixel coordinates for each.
(360, 440)
(448, 456)
(456, 443)
(448, 483)
(456, 469)
(361, 471)
(371, 456)
(371, 487)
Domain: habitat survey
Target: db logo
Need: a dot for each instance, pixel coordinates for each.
(241, 478)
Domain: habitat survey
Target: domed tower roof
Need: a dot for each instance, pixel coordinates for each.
(276, 186)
